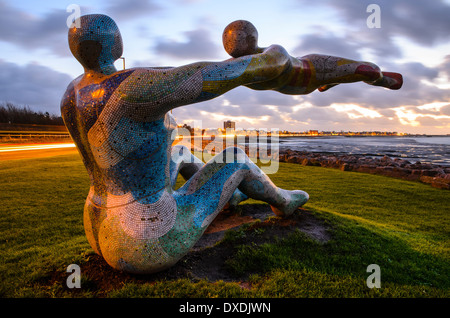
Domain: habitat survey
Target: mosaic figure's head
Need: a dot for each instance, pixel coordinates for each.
(240, 38)
(97, 42)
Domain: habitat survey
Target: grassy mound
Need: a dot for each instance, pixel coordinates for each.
(401, 226)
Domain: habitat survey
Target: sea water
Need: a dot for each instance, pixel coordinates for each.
(426, 149)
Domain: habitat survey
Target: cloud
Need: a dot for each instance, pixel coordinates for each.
(129, 9)
(322, 114)
(31, 32)
(241, 104)
(245, 107)
(35, 85)
(327, 44)
(424, 22)
(419, 70)
(273, 98)
(49, 31)
(430, 121)
(413, 92)
(445, 110)
(198, 46)
(336, 119)
(350, 45)
(373, 108)
(423, 115)
(444, 67)
(374, 41)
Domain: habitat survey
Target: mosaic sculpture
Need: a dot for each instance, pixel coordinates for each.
(121, 124)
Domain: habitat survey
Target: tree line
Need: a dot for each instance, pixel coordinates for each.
(13, 114)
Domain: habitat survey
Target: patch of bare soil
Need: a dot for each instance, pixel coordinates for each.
(207, 258)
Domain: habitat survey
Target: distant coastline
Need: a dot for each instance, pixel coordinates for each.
(431, 149)
(368, 136)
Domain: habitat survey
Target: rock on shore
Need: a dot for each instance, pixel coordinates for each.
(435, 175)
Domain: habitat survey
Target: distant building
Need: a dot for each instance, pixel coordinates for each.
(229, 124)
(313, 132)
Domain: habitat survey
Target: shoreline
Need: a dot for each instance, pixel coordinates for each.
(435, 175)
(438, 176)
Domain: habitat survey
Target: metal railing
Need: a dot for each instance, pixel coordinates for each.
(25, 135)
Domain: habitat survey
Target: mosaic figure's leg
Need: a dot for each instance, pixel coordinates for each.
(214, 184)
(183, 162)
(205, 194)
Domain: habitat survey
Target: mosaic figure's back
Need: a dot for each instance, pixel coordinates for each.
(121, 124)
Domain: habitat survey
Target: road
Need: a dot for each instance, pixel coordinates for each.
(24, 151)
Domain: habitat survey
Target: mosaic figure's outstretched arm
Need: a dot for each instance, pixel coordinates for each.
(161, 90)
(305, 74)
(317, 71)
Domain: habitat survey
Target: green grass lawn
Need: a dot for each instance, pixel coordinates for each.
(402, 226)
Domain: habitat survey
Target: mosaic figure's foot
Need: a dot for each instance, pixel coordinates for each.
(237, 198)
(292, 201)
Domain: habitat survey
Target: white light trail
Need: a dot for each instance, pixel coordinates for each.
(6, 148)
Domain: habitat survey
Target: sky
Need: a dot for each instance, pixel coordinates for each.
(413, 38)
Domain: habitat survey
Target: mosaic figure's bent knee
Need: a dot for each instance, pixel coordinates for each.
(121, 125)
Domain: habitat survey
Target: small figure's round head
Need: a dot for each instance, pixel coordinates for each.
(240, 38)
(95, 41)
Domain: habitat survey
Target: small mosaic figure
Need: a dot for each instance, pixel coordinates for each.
(121, 124)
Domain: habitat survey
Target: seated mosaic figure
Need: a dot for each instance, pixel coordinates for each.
(121, 124)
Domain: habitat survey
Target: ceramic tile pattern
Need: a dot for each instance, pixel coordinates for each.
(121, 124)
